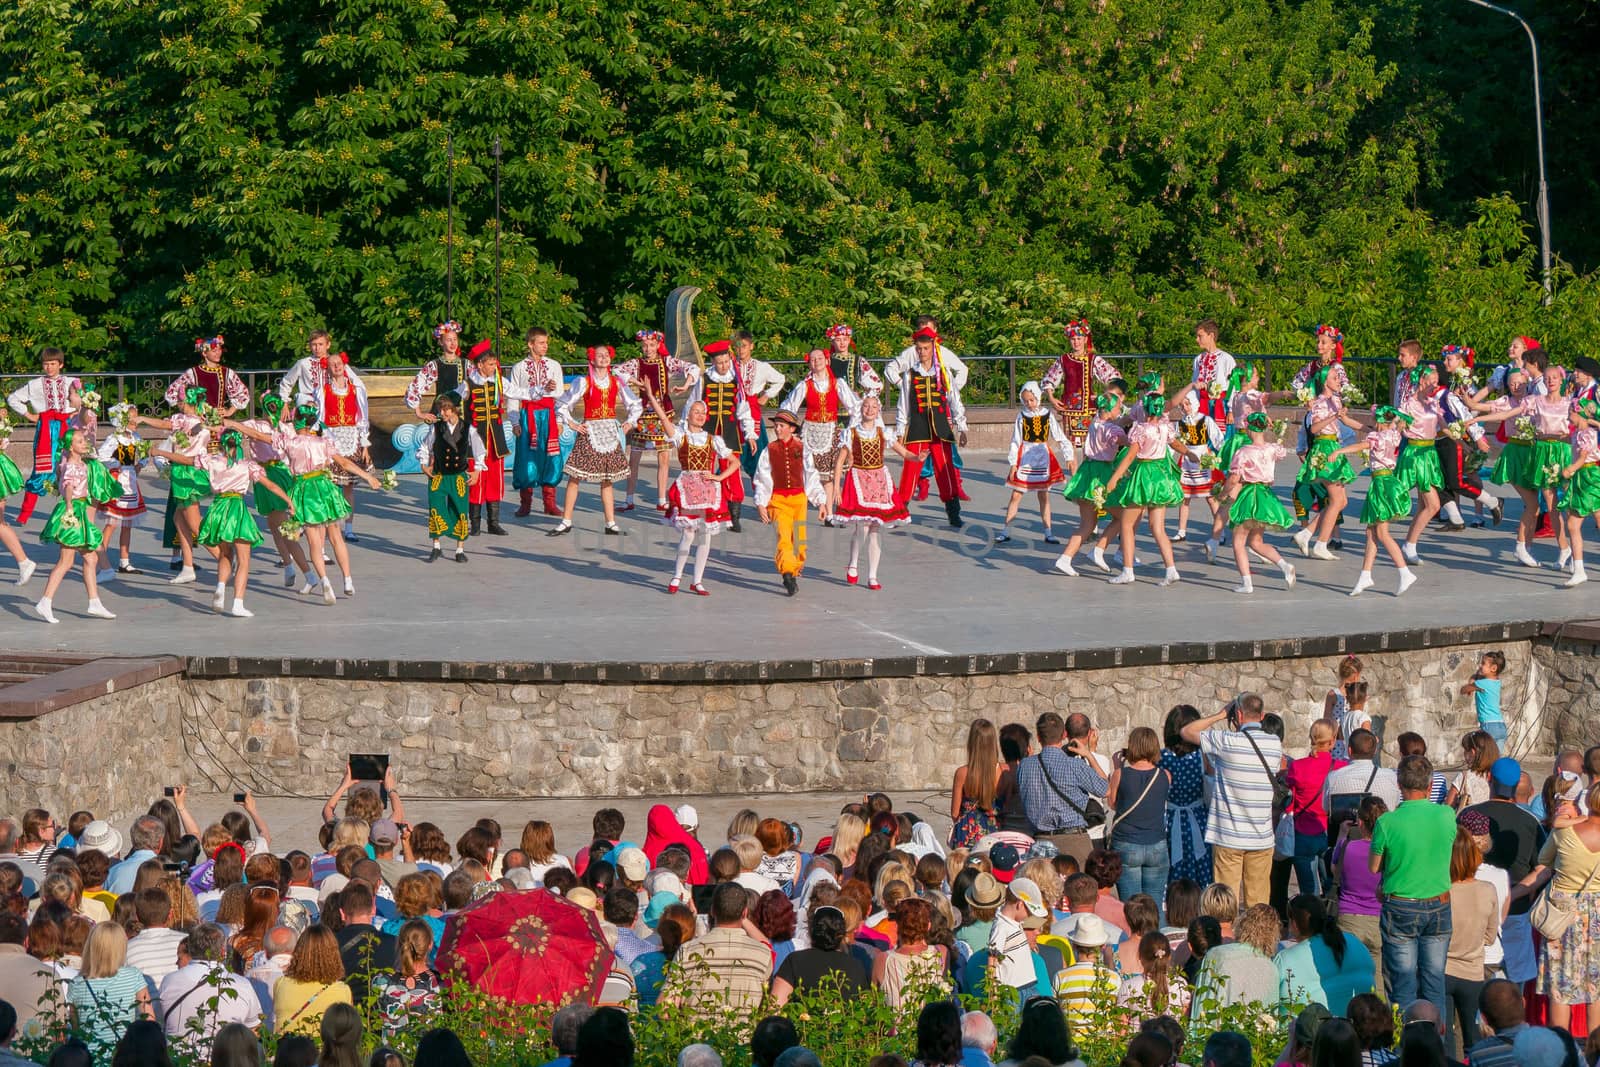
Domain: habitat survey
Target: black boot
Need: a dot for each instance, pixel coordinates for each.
(952, 508)
(493, 508)
(733, 516)
(475, 513)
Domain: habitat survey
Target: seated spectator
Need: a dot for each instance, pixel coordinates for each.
(729, 964)
(1087, 985)
(1373, 1020)
(824, 966)
(774, 917)
(1504, 1015)
(414, 899)
(1143, 916)
(1241, 972)
(939, 1035)
(1042, 1032)
(913, 963)
(772, 1037)
(364, 950)
(235, 1045)
(604, 1040)
(108, 993)
(202, 996)
(1154, 989)
(979, 1040)
(1324, 965)
(411, 990)
(313, 981)
(154, 949)
(24, 980)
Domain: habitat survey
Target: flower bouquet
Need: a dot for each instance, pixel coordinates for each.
(290, 529)
(91, 400)
(1209, 461)
(1354, 396)
(1279, 427)
(1216, 390)
(1455, 431)
(1304, 396)
(209, 415)
(1097, 496)
(181, 442)
(1522, 430)
(1552, 472)
(388, 481)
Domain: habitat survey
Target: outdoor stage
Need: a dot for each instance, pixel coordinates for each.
(590, 599)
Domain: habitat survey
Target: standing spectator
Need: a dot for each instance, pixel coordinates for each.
(154, 949)
(1412, 848)
(1504, 1014)
(201, 996)
(1242, 971)
(730, 963)
(1239, 829)
(1360, 777)
(108, 994)
(24, 980)
(1413, 744)
(1307, 777)
(1514, 839)
(313, 982)
(1478, 752)
(1060, 789)
(384, 836)
(1325, 965)
(1138, 793)
(1570, 863)
(1186, 800)
(1016, 744)
(972, 793)
(1474, 922)
(1360, 909)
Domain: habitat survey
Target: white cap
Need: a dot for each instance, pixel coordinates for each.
(687, 817)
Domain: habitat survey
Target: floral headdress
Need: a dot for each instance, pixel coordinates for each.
(1337, 334)
(657, 336)
(202, 342)
(446, 327)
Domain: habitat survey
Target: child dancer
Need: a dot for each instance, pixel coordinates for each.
(1033, 464)
(1101, 447)
(1203, 437)
(189, 484)
(124, 456)
(1252, 507)
(601, 410)
(1324, 415)
(82, 483)
(1246, 398)
(1387, 498)
(786, 481)
(452, 455)
(653, 366)
(1536, 455)
(47, 401)
(867, 498)
(1418, 466)
(1146, 483)
(697, 506)
(1582, 486)
(11, 480)
(228, 525)
(269, 505)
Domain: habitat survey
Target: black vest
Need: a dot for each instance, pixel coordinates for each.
(452, 451)
(928, 414)
(721, 411)
(449, 377)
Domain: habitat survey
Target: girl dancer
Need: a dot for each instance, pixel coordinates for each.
(11, 480)
(1581, 490)
(1535, 455)
(269, 504)
(123, 454)
(654, 367)
(598, 455)
(1203, 437)
(1146, 483)
(342, 411)
(1033, 464)
(1324, 415)
(83, 483)
(1387, 498)
(228, 526)
(867, 498)
(1309, 498)
(696, 504)
(318, 504)
(1246, 398)
(1418, 466)
(1101, 447)
(1251, 505)
(189, 484)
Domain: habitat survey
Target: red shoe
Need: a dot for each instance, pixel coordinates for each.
(672, 586)
(850, 576)
(1545, 530)
(922, 489)
(874, 586)
(626, 505)
(526, 508)
(699, 590)
(550, 506)
(662, 506)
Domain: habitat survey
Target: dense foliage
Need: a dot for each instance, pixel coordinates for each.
(262, 167)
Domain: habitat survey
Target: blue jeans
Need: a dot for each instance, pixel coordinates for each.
(1307, 849)
(1144, 869)
(1496, 730)
(1416, 937)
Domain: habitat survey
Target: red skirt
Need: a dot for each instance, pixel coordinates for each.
(1037, 468)
(710, 510)
(869, 496)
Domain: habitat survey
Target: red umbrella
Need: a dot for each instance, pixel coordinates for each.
(526, 947)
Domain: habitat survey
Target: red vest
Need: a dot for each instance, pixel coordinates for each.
(598, 404)
(339, 410)
(820, 406)
(788, 460)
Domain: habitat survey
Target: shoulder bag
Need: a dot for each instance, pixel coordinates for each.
(1117, 816)
(1093, 813)
(1551, 919)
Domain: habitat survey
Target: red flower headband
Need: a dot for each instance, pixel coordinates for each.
(451, 327)
(1338, 340)
(597, 349)
(201, 342)
(1468, 356)
(653, 335)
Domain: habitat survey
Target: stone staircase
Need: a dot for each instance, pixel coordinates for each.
(35, 683)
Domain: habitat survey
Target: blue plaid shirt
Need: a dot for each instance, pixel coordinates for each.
(1076, 777)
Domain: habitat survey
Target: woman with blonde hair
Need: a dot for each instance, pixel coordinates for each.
(414, 899)
(848, 833)
(743, 824)
(1306, 778)
(973, 793)
(1242, 971)
(1570, 864)
(1478, 751)
(108, 994)
(185, 908)
(1222, 904)
(311, 984)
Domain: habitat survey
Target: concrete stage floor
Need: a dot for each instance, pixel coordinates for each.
(526, 598)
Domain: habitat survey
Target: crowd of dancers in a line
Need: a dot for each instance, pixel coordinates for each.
(1130, 452)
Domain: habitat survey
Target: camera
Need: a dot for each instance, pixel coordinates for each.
(169, 791)
(238, 798)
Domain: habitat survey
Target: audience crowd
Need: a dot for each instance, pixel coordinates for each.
(1368, 913)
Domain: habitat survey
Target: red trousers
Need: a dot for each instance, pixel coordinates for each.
(944, 469)
(491, 487)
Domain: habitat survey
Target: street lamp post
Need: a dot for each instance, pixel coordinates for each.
(1543, 207)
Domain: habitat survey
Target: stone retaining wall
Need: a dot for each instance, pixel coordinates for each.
(290, 734)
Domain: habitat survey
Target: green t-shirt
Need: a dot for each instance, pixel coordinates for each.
(1415, 841)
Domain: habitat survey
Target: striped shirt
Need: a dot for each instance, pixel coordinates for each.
(154, 951)
(1241, 803)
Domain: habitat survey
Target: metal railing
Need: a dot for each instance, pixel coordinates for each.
(991, 379)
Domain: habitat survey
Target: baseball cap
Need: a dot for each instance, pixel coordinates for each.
(687, 817)
(583, 897)
(384, 830)
(984, 892)
(1506, 772)
(1028, 891)
(1004, 860)
(633, 864)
